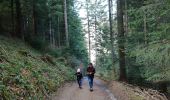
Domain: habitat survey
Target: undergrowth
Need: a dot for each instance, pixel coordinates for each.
(27, 74)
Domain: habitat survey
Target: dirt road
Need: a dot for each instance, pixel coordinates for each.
(72, 92)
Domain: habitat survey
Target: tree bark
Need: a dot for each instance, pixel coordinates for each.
(126, 18)
(18, 19)
(88, 29)
(111, 28)
(53, 32)
(121, 41)
(95, 26)
(34, 18)
(50, 31)
(12, 18)
(58, 32)
(66, 23)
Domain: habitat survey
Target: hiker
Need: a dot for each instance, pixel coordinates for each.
(90, 73)
(79, 77)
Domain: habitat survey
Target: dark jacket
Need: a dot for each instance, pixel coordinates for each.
(79, 75)
(91, 71)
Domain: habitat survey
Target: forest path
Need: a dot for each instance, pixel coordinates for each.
(71, 92)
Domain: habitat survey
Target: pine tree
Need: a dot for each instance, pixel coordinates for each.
(18, 19)
(121, 41)
(66, 24)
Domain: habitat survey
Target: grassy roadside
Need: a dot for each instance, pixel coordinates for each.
(27, 74)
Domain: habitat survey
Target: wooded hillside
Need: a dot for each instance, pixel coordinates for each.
(129, 41)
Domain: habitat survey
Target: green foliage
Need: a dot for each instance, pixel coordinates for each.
(38, 43)
(77, 37)
(104, 64)
(154, 60)
(147, 44)
(147, 47)
(56, 52)
(42, 26)
(25, 74)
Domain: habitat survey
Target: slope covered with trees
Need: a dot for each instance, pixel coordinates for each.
(46, 25)
(131, 44)
(43, 44)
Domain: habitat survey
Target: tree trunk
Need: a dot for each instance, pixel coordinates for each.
(50, 27)
(111, 27)
(53, 31)
(66, 23)
(88, 30)
(50, 31)
(34, 18)
(121, 41)
(12, 18)
(18, 19)
(126, 18)
(58, 32)
(95, 26)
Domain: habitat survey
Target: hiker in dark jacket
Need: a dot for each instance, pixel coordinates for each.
(79, 77)
(90, 73)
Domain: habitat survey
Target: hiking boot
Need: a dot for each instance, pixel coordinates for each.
(80, 87)
(91, 89)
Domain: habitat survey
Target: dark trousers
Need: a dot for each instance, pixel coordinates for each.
(79, 81)
(90, 78)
